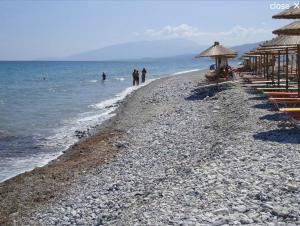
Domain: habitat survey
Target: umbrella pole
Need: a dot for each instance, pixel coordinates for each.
(216, 67)
(261, 65)
(287, 68)
(256, 65)
(298, 71)
(292, 62)
(253, 64)
(267, 56)
(264, 66)
(255, 68)
(278, 65)
(216, 64)
(296, 65)
(273, 64)
(218, 72)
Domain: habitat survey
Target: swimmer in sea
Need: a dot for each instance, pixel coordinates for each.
(103, 76)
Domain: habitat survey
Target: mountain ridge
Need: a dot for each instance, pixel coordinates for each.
(148, 50)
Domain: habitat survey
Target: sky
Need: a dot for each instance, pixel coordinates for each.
(42, 29)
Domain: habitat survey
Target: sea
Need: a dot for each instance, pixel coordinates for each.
(44, 104)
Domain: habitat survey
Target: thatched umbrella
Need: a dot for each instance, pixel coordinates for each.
(292, 13)
(217, 51)
(292, 29)
(284, 44)
(282, 40)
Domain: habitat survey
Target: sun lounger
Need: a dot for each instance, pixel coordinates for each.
(263, 85)
(277, 89)
(281, 94)
(290, 110)
(254, 79)
(287, 100)
(262, 82)
(295, 115)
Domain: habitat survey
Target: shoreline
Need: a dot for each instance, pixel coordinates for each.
(110, 105)
(175, 153)
(72, 158)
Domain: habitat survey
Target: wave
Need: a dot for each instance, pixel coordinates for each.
(183, 72)
(93, 80)
(19, 165)
(111, 103)
(119, 79)
(100, 112)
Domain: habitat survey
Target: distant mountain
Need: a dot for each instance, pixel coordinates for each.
(241, 49)
(149, 50)
(143, 49)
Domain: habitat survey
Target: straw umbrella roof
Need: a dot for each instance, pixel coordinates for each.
(282, 40)
(290, 29)
(292, 13)
(217, 50)
(258, 52)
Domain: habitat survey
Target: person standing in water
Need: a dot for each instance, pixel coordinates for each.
(103, 76)
(137, 77)
(144, 75)
(133, 77)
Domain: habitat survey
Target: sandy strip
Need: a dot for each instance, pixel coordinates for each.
(176, 153)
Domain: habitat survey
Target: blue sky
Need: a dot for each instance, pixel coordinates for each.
(37, 29)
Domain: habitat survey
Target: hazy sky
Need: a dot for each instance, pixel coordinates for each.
(37, 29)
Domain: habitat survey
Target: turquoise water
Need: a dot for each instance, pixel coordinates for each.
(42, 104)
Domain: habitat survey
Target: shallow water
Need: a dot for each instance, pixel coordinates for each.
(42, 104)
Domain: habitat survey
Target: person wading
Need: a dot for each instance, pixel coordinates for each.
(103, 76)
(137, 76)
(144, 75)
(134, 77)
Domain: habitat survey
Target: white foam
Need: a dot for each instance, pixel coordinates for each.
(120, 79)
(93, 80)
(118, 97)
(21, 165)
(183, 72)
(92, 118)
(105, 103)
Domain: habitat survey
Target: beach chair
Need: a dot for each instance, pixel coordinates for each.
(290, 110)
(293, 113)
(285, 100)
(277, 89)
(210, 75)
(281, 94)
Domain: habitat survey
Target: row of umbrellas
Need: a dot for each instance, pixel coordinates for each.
(285, 44)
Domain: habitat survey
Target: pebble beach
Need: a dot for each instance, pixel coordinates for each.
(177, 152)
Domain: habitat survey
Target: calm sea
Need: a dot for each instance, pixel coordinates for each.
(42, 104)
